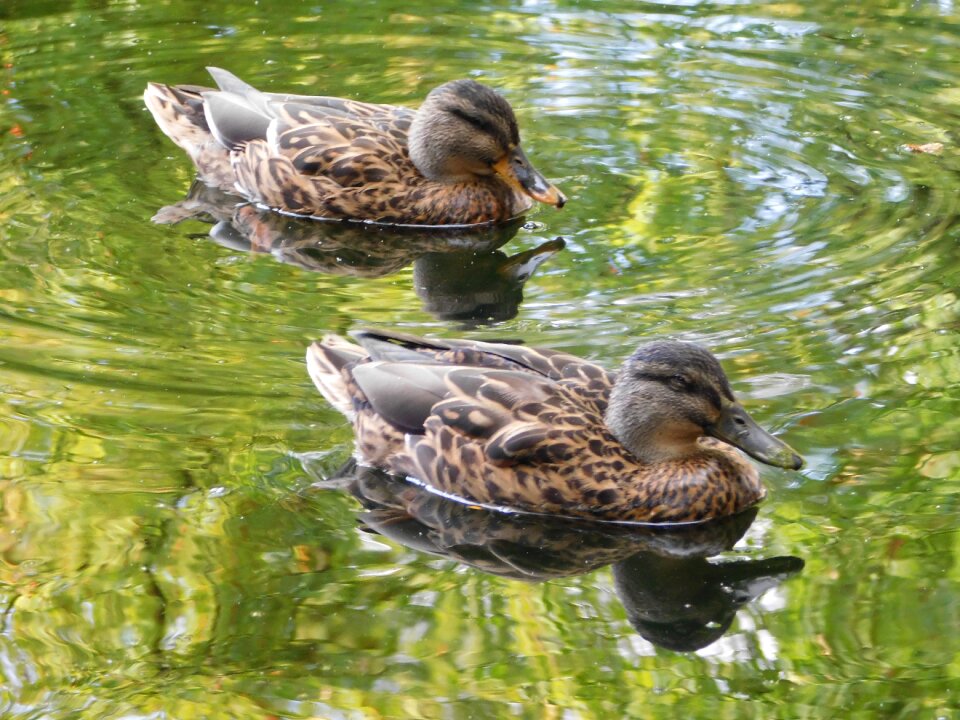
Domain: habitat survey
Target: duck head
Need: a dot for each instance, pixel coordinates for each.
(670, 393)
(466, 130)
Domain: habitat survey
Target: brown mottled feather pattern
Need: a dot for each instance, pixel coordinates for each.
(542, 445)
(344, 159)
(179, 113)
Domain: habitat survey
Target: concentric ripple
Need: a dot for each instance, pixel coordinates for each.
(778, 181)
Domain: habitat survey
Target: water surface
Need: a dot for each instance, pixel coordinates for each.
(739, 174)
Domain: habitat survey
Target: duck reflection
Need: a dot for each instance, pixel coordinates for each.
(684, 604)
(673, 595)
(459, 273)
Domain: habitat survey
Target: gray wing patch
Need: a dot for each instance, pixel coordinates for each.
(403, 394)
(232, 121)
(228, 82)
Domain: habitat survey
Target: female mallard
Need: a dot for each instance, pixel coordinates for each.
(547, 432)
(455, 161)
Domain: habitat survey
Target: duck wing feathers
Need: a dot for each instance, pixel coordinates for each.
(512, 416)
(587, 381)
(238, 112)
(310, 154)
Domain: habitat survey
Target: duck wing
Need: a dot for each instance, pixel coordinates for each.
(402, 393)
(352, 152)
(315, 155)
(589, 382)
(507, 416)
(238, 113)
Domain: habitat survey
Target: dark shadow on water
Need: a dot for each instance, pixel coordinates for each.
(673, 595)
(459, 273)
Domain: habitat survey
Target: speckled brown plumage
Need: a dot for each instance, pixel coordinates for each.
(512, 426)
(336, 158)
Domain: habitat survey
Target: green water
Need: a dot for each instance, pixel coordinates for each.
(737, 175)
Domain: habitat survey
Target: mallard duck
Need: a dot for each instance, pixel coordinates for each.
(456, 160)
(547, 432)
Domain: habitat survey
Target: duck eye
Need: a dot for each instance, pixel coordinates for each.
(679, 382)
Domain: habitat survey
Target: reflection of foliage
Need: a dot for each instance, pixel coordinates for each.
(736, 178)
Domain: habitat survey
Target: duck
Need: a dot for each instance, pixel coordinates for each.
(456, 160)
(536, 430)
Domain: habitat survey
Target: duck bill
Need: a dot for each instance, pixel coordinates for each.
(516, 170)
(736, 427)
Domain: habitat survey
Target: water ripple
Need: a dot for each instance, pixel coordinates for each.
(743, 174)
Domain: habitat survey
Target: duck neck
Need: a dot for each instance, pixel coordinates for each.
(433, 145)
(651, 436)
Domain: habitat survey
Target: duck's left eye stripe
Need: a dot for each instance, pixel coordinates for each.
(478, 122)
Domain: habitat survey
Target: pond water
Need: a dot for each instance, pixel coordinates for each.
(778, 181)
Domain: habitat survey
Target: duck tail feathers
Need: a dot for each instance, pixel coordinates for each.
(329, 362)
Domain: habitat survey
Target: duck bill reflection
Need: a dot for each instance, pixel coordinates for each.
(737, 428)
(515, 168)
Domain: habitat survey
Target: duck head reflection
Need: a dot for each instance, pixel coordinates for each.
(674, 596)
(459, 273)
